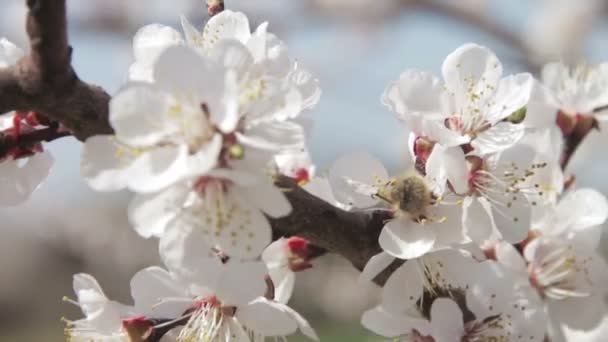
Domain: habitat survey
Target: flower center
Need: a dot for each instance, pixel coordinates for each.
(207, 321)
(557, 273)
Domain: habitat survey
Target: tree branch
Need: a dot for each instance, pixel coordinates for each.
(45, 82)
(26, 140)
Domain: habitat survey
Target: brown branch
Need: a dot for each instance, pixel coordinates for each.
(215, 6)
(353, 235)
(45, 82)
(26, 140)
(582, 128)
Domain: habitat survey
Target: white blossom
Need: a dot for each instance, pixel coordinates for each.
(103, 319)
(260, 60)
(421, 222)
(561, 262)
(283, 258)
(469, 106)
(448, 296)
(569, 93)
(22, 170)
(222, 299)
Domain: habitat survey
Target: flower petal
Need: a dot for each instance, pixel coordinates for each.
(157, 168)
(406, 239)
(150, 213)
(139, 114)
(471, 68)
(512, 94)
(375, 265)
(226, 25)
(403, 288)
(513, 221)
(153, 284)
(578, 210)
(415, 93)
(497, 138)
(17, 182)
(446, 320)
(105, 163)
(230, 289)
(476, 218)
(268, 198)
(356, 168)
(266, 318)
(148, 43)
(389, 325)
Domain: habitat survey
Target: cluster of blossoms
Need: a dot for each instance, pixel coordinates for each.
(203, 125)
(493, 244)
(495, 248)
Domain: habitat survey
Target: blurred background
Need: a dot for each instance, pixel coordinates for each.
(355, 48)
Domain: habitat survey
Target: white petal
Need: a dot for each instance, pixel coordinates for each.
(414, 93)
(512, 94)
(303, 324)
(9, 53)
(405, 239)
(274, 136)
(471, 67)
(153, 284)
(270, 199)
(193, 37)
(476, 218)
(148, 43)
(17, 182)
(224, 219)
(578, 313)
(284, 288)
(108, 165)
(206, 158)
(230, 289)
(375, 266)
(449, 163)
(403, 288)
(180, 70)
(580, 209)
(150, 213)
(308, 87)
(266, 318)
(188, 254)
(233, 55)
(105, 163)
(226, 25)
(90, 295)
(139, 114)
(514, 222)
(542, 108)
(360, 167)
(383, 323)
(436, 169)
(509, 257)
(497, 138)
(156, 169)
(446, 320)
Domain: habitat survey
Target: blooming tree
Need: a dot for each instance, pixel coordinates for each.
(480, 238)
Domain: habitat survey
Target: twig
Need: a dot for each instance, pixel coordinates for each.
(47, 134)
(215, 6)
(45, 82)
